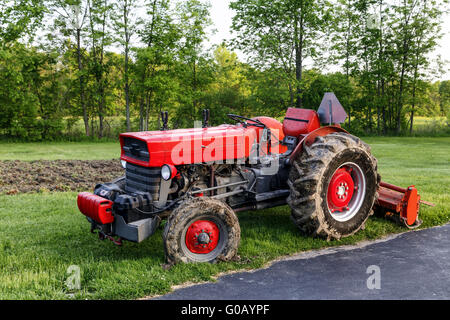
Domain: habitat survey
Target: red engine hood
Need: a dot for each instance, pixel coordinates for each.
(188, 146)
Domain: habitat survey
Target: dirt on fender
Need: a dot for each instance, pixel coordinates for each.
(56, 175)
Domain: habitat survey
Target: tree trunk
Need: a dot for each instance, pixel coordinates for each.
(144, 93)
(298, 30)
(413, 96)
(141, 113)
(80, 69)
(101, 79)
(194, 102)
(127, 94)
(127, 88)
(402, 77)
(383, 111)
(349, 116)
(147, 111)
(291, 95)
(400, 99)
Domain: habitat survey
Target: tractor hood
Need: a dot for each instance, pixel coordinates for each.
(187, 146)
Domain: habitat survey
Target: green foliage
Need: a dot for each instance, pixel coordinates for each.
(444, 98)
(280, 35)
(19, 18)
(30, 94)
(70, 83)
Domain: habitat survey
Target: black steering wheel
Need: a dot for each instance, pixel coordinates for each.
(243, 120)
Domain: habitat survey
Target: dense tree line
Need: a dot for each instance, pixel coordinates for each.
(66, 61)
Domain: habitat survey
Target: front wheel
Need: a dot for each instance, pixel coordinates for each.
(201, 230)
(333, 184)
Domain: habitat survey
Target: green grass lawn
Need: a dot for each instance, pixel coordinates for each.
(59, 151)
(43, 234)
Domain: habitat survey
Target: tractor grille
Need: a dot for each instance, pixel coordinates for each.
(136, 149)
(142, 180)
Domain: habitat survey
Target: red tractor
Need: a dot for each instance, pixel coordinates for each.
(199, 178)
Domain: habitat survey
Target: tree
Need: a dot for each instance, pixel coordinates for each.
(31, 95)
(19, 18)
(153, 71)
(281, 35)
(426, 32)
(71, 21)
(417, 28)
(99, 19)
(444, 102)
(345, 30)
(229, 89)
(194, 68)
(387, 53)
(125, 24)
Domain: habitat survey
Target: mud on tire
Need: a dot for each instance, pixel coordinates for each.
(198, 210)
(310, 177)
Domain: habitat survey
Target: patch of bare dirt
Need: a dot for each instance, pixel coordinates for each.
(56, 175)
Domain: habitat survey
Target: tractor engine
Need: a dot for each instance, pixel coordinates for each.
(243, 165)
(239, 182)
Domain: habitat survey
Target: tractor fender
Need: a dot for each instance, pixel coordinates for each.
(310, 137)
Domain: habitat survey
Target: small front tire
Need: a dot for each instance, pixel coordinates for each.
(201, 230)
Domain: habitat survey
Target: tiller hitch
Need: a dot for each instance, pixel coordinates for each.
(400, 204)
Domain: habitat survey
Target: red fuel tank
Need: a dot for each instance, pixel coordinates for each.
(97, 208)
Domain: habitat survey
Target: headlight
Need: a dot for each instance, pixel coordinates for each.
(166, 173)
(124, 163)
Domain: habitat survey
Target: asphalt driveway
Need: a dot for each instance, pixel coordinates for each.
(412, 265)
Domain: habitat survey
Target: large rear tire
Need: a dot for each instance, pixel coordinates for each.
(201, 230)
(333, 185)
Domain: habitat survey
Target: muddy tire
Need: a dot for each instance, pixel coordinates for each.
(333, 186)
(201, 230)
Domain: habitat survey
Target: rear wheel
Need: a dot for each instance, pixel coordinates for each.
(333, 186)
(201, 230)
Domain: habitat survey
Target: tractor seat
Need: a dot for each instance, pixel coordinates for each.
(300, 121)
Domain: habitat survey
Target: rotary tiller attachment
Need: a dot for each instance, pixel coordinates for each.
(400, 204)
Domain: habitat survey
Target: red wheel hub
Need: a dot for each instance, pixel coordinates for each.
(202, 236)
(340, 190)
